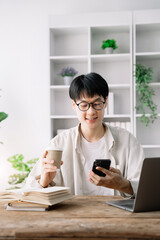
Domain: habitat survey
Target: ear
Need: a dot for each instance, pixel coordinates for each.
(74, 105)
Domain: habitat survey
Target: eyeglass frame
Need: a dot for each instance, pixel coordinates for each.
(89, 105)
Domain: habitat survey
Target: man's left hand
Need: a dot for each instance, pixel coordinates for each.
(113, 179)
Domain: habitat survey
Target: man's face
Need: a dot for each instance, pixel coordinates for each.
(91, 118)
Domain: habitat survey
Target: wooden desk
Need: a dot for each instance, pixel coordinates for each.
(81, 218)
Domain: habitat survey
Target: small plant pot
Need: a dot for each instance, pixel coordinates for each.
(67, 80)
(108, 50)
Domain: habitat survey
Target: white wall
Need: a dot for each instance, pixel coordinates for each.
(24, 69)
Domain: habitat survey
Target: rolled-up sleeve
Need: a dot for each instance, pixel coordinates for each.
(32, 179)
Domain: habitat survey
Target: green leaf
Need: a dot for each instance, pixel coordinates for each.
(16, 158)
(145, 92)
(32, 161)
(109, 43)
(3, 116)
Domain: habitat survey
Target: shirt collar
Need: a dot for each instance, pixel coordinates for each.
(108, 137)
(77, 138)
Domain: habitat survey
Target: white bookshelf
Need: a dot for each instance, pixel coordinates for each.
(76, 40)
(146, 51)
(77, 43)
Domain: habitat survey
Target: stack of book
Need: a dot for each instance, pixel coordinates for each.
(125, 125)
(35, 199)
(110, 105)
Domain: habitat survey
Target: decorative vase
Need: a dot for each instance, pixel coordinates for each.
(109, 50)
(67, 80)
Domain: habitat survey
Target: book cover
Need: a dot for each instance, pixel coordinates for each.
(17, 205)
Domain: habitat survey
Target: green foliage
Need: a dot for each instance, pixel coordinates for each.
(17, 178)
(18, 164)
(3, 116)
(109, 43)
(143, 78)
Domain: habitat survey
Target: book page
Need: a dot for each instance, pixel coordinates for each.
(19, 194)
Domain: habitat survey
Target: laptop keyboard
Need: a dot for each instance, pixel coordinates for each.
(124, 204)
(127, 203)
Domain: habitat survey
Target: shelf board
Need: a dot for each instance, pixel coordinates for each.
(147, 55)
(110, 57)
(111, 86)
(151, 146)
(79, 58)
(94, 58)
(154, 84)
(63, 117)
(117, 86)
(116, 116)
(59, 87)
(148, 114)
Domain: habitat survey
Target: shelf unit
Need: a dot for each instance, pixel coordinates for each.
(76, 41)
(146, 50)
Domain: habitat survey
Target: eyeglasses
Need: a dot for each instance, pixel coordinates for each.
(84, 106)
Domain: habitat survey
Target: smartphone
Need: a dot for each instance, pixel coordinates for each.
(104, 163)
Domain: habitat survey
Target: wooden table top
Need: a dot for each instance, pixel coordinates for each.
(83, 217)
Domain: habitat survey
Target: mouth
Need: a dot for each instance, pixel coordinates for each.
(91, 120)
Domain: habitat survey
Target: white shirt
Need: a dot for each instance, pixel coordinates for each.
(121, 147)
(92, 151)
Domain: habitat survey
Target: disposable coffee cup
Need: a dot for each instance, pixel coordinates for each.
(55, 155)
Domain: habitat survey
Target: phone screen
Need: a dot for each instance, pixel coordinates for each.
(104, 163)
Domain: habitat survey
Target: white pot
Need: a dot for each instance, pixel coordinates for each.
(109, 50)
(67, 80)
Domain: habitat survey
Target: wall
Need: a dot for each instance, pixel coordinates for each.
(24, 71)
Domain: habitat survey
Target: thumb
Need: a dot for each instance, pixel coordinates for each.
(45, 154)
(103, 170)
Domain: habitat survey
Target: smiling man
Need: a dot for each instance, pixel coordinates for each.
(90, 140)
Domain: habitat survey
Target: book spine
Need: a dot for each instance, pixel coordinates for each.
(125, 125)
(111, 104)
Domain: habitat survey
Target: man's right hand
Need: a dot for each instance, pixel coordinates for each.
(48, 171)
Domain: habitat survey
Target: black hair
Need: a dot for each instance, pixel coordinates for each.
(90, 84)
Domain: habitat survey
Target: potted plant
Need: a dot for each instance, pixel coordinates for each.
(109, 45)
(145, 93)
(68, 73)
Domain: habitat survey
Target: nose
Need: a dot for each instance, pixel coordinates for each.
(91, 110)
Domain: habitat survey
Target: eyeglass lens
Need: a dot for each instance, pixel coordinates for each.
(84, 106)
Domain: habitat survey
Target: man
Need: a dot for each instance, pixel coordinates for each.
(90, 140)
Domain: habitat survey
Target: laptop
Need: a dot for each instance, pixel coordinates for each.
(148, 193)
